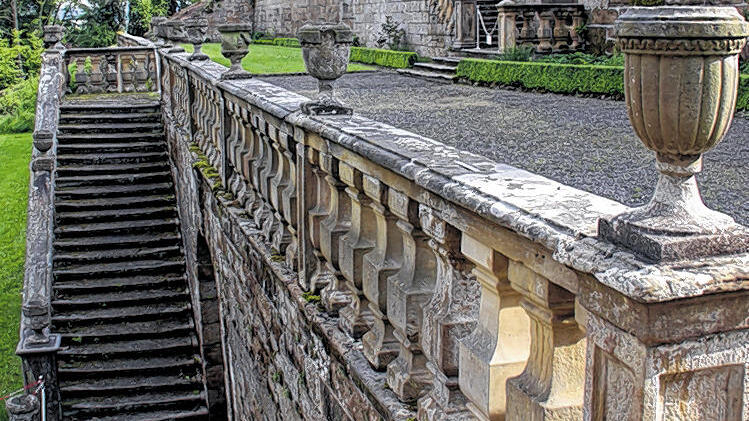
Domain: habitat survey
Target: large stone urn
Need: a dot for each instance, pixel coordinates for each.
(159, 32)
(235, 41)
(326, 49)
(196, 31)
(681, 75)
(53, 37)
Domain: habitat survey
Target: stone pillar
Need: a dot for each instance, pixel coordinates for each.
(356, 318)
(408, 292)
(551, 386)
(23, 408)
(379, 344)
(507, 28)
(499, 346)
(465, 28)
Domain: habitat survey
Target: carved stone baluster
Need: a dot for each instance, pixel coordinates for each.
(261, 178)
(379, 344)
(577, 22)
(81, 76)
(356, 318)
(408, 292)
(561, 31)
(544, 31)
(254, 155)
(280, 235)
(335, 295)
(320, 278)
(551, 386)
(499, 346)
(450, 315)
(235, 150)
(289, 203)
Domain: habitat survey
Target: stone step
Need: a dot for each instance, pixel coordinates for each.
(145, 137)
(127, 240)
(180, 326)
(127, 385)
(116, 227)
(119, 299)
(61, 260)
(110, 169)
(116, 215)
(124, 128)
(111, 158)
(197, 415)
(437, 68)
(113, 179)
(119, 269)
(120, 314)
(100, 204)
(109, 118)
(446, 61)
(126, 366)
(84, 192)
(64, 290)
(119, 404)
(429, 75)
(99, 108)
(110, 148)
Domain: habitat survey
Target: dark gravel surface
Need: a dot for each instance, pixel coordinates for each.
(583, 142)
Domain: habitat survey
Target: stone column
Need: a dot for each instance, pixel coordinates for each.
(465, 28)
(551, 385)
(499, 346)
(379, 344)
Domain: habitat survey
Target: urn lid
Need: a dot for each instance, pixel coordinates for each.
(311, 33)
(682, 22)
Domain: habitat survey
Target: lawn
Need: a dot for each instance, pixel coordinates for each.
(267, 59)
(14, 179)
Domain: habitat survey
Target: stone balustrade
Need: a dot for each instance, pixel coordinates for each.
(442, 285)
(111, 70)
(548, 28)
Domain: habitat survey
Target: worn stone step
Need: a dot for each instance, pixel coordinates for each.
(120, 269)
(94, 148)
(84, 192)
(116, 215)
(113, 169)
(76, 138)
(109, 118)
(112, 179)
(120, 404)
(70, 289)
(98, 107)
(125, 128)
(127, 385)
(197, 415)
(447, 61)
(180, 326)
(127, 240)
(81, 205)
(129, 314)
(126, 366)
(116, 227)
(430, 75)
(436, 67)
(111, 158)
(62, 260)
(119, 299)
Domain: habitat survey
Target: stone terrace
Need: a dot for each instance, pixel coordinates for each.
(583, 142)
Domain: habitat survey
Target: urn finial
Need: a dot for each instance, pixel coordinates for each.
(325, 48)
(235, 42)
(681, 76)
(53, 37)
(196, 31)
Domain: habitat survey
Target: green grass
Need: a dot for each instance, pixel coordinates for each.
(14, 179)
(267, 59)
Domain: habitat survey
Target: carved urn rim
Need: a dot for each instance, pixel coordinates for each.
(196, 23)
(311, 33)
(234, 27)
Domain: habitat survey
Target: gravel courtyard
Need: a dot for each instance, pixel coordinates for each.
(583, 142)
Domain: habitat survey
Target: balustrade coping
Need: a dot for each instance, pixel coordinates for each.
(561, 218)
(109, 50)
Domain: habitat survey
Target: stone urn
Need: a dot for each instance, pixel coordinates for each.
(24, 407)
(195, 31)
(326, 49)
(235, 42)
(53, 37)
(159, 32)
(681, 76)
(174, 31)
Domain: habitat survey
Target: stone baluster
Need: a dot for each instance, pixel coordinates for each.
(335, 295)
(289, 203)
(280, 237)
(499, 346)
(544, 35)
(561, 31)
(578, 21)
(551, 385)
(408, 292)
(320, 277)
(526, 30)
(356, 318)
(254, 165)
(264, 169)
(81, 76)
(379, 344)
(236, 150)
(449, 316)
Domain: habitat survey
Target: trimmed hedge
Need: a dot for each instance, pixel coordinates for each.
(742, 102)
(287, 42)
(552, 77)
(386, 58)
(264, 42)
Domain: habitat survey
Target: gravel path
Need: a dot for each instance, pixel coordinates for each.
(583, 142)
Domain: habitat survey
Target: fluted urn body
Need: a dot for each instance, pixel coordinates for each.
(235, 43)
(681, 79)
(196, 30)
(326, 49)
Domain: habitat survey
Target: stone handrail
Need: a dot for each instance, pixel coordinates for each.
(548, 28)
(111, 70)
(478, 288)
(37, 345)
(127, 40)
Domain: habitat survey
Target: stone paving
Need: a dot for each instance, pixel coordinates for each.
(583, 142)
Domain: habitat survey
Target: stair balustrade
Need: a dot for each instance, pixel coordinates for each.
(547, 28)
(111, 70)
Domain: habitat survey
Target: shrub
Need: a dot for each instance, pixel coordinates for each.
(391, 35)
(583, 58)
(552, 77)
(287, 42)
(264, 42)
(20, 59)
(742, 102)
(523, 53)
(18, 106)
(386, 58)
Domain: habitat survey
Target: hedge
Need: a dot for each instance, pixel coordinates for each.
(287, 42)
(386, 58)
(552, 77)
(264, 41)
(742, 102)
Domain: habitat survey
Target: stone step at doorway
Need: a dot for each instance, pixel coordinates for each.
(440, 69)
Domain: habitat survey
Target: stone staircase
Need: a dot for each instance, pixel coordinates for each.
(440, 69)
(129, 347)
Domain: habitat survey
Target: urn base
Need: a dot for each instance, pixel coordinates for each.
(325, 108)
(236, 75)
(198, 57)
